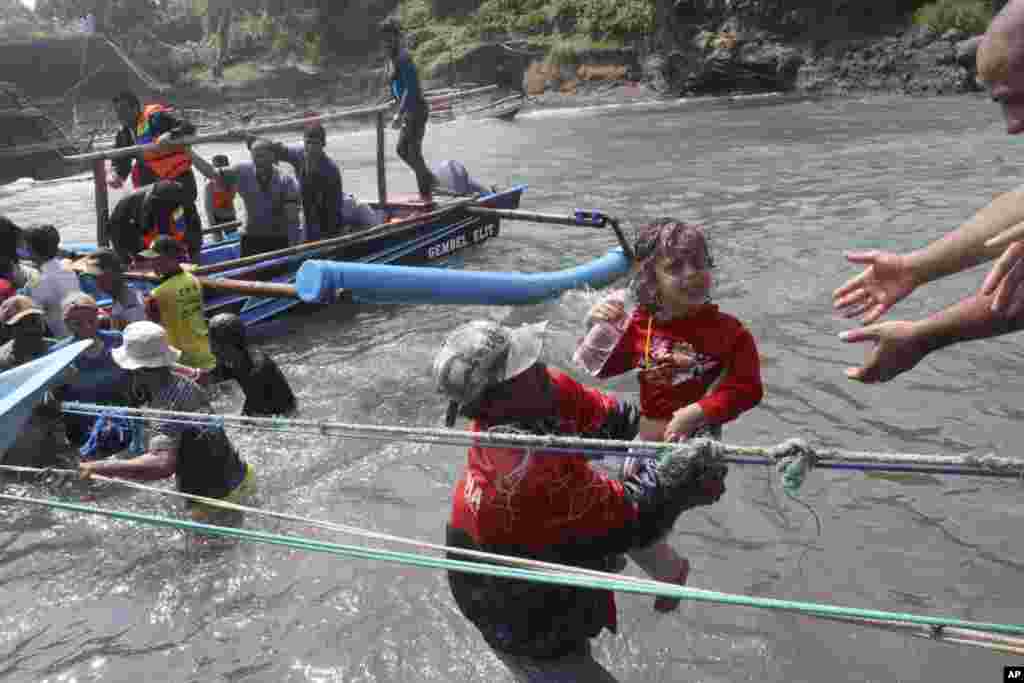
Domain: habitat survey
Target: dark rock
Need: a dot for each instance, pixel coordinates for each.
(953, 35)
(966, 52)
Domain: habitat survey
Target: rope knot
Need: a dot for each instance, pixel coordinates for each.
(795, 459)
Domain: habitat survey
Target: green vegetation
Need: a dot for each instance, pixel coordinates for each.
(969, 16)
(564, 27)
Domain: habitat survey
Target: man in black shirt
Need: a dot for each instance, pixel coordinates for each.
(265, 388)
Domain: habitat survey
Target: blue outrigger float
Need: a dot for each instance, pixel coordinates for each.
(260, 287)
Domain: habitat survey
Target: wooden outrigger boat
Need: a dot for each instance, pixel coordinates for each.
(260, 287)
(469, 102)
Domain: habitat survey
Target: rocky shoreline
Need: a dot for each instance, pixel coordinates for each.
(916, 62)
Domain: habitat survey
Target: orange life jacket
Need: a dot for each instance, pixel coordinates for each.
(169, 163)
(174, 226)
(224, 200)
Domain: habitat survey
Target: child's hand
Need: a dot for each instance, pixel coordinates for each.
(684, 422)
(608, 310)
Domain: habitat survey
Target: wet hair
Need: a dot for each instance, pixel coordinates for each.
(227, 328)
(127, 96)
(43, 241)
(672, 239)
(9, 236)
(391, 26)
(315, 131)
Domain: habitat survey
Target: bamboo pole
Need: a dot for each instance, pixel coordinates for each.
(99, 179)
(382, 185)
(226, 135)
(273, 290)
(334, 242)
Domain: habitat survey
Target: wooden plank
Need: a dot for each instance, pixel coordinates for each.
(223, 136)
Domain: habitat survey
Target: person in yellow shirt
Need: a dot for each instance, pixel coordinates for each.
(177, 305)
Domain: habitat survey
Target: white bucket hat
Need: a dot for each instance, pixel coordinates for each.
(145, 346)
(482, 353)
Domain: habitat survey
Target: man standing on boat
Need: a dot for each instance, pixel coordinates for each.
(177, 304)
(320, 180)
(157, 123)
(413, 111)
(271, 198)
(897, 346)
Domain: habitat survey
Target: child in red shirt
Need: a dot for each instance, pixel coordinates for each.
(699, 367)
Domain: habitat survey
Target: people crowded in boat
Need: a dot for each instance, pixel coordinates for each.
(699, 367)
(56, 280)
(12, 268)
(142, 216)
(219, 199)
(320, 180)
(549, 506)
(42, 442)
(96, 377)
(127, 304)
(202, 458)
(271, 199)
(157, 123)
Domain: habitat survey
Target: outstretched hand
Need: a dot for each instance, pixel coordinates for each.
(895, 350)
(1006, 281)
(886, 280)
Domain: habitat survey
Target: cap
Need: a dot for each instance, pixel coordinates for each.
(17, 308)
(77, 300)
(164, 245)
(482, 353)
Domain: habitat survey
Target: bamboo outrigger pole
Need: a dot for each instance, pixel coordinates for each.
(99, 169)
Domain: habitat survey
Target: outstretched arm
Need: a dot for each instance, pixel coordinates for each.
(900, 345)
(965, 247)
(888, 277)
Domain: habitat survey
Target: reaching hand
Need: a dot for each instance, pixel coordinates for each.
(684, 422)
(896, 349)
(607, 310)
(1006, 281)
(86, 470)
(886, 280)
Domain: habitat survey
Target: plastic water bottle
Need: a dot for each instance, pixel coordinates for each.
(602, 339)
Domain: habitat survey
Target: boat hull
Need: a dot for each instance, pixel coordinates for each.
(427, 242)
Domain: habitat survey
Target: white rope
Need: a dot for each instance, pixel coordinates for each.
(990, 463)
(346, 529)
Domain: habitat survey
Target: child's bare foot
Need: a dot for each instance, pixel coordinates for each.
(663, 604)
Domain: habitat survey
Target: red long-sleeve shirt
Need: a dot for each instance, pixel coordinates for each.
(690, 353)
(550, 499)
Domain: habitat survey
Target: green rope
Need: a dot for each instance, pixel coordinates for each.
(614, 584)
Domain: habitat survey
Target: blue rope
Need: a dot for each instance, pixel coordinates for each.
(111, 433)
